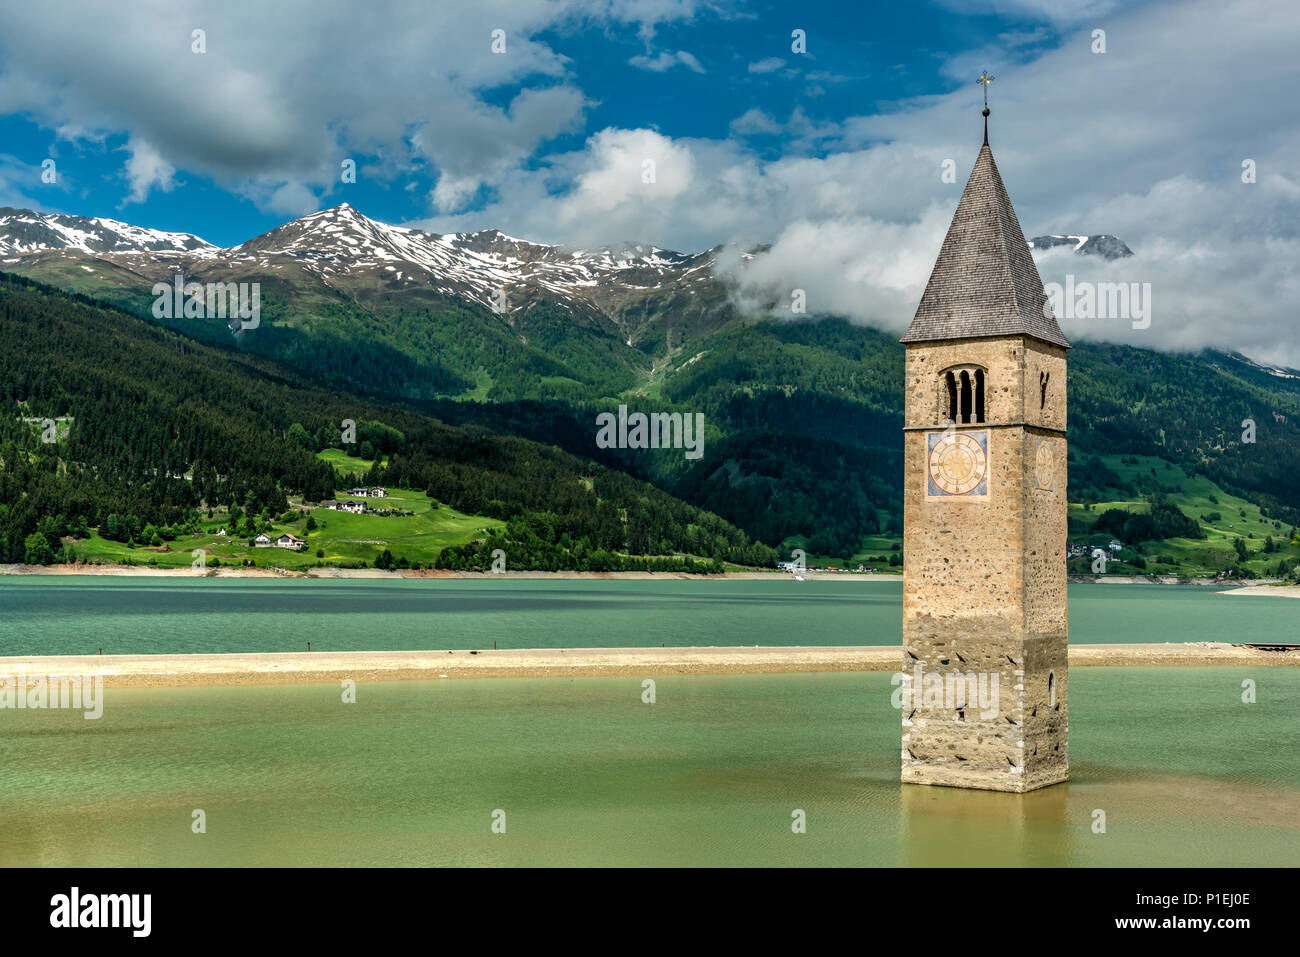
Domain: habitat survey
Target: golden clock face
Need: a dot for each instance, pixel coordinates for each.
(958, 463)
(1045, 465)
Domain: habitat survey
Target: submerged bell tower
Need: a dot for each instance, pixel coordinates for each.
(984, 514)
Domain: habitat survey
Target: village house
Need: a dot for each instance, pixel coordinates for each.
(377, 492)
(262, 541)
(290, 541)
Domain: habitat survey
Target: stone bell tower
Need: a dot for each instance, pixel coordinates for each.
(984, 517)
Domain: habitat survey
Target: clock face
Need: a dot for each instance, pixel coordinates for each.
(958, 463)
(1045, 465)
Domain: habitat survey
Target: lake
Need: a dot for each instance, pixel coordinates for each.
(588, 774)
(81, 614)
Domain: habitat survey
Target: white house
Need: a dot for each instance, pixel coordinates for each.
(359, 491)
(262, 541)
(378, 492)
(290, 541)
(345, 505)
(1115, 545)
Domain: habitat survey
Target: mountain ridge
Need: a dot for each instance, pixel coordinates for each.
(616, 285)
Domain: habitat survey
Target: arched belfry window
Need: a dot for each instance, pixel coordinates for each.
(964, 395)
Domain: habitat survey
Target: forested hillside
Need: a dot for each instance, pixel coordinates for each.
(164, 428)
(802, 425)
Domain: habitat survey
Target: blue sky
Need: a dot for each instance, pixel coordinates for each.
(834, 157)
(687, 77)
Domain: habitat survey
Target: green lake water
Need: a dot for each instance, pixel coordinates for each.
(81, 614)
(588, 774)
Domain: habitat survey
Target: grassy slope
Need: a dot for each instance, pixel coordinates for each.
(1196, 496)
(341, 536)
(345, 464)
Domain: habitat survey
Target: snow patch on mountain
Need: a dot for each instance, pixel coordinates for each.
(1106, 246)
(482, 266)
(23, 231)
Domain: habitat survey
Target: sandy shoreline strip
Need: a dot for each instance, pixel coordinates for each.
(301, 667)
(1268, 591)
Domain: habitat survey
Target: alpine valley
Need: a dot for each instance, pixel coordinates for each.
(474, 366)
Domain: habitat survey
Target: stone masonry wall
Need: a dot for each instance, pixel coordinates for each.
(984, 578)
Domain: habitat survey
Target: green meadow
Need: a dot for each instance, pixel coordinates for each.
(1224, 518)
(345, 464)
(347, 540)
(341, 538)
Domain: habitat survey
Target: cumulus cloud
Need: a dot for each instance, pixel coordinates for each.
(286, 101)
(666, 61)
(755, 122)
(146, 169)
(1145, 142)
(834, 262)
(293, 199)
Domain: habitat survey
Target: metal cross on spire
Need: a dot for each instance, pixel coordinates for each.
(985, 79)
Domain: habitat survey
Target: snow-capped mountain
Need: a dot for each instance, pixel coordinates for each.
(1106, 246)
(342, 247)
(23, 231)
(655, 301)
(366, 260)
(1269, 369)
(487, 267)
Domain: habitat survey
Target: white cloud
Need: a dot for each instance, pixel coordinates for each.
(766, 65)
(1144, 142)
(20, 183)
(146, 169)
(755, 122)
(666, 61)
(293, 200)
(285, 102)
(1056, 11)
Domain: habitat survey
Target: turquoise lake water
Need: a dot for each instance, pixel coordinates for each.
(80, 615)
(584, 771)
(588, 774)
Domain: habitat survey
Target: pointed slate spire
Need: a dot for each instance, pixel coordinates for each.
(984, 282)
